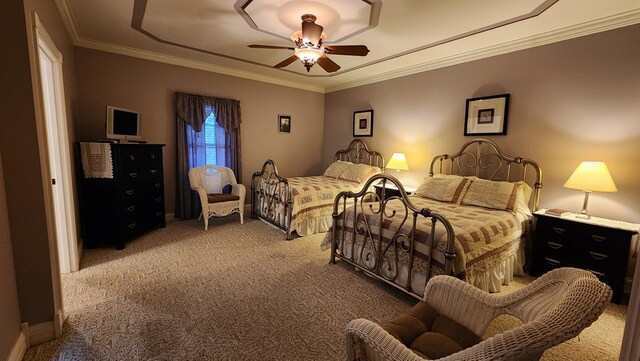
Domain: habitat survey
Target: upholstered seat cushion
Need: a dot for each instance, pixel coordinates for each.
(429, 334)
(221, 197)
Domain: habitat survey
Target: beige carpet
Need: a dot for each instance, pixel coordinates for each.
(239, 293)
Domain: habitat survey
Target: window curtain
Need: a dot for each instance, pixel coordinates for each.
(191, 113)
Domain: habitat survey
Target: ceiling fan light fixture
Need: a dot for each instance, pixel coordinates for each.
(308, 55)
(297, 38)
(310, 48)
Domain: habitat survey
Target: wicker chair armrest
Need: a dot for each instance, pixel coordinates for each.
(202, 194)
(239, 189)
(362, 334)
(462, 302)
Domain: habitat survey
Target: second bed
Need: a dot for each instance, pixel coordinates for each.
(470, 218)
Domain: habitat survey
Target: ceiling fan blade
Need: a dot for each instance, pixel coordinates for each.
(357, 50)
(286, 61)
(311, 32)
(327, 64)
(270, 47)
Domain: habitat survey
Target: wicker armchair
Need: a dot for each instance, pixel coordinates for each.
(209, 181)
(554, 308)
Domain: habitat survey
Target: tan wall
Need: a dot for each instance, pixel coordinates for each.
(23, 176)
(146, 86)
(571, 101)
(22, 172)
(9, 308)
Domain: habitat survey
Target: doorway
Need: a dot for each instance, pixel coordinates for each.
(58, 153)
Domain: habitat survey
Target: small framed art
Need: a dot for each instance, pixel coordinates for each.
(363, 123)
(284, 123)
(487, 115)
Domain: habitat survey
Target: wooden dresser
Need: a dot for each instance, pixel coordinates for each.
(598, 245)
(124, 199)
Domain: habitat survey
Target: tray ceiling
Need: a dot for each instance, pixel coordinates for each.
(403, 36)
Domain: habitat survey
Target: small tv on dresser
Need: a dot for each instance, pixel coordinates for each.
(123, 124)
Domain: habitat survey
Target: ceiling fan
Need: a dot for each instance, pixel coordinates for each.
(310, 48)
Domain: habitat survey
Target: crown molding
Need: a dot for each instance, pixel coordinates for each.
(174, 60)
(67, 18)
(592, 27)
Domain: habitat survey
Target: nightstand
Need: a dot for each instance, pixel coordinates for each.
(598, 245)
(391, 190)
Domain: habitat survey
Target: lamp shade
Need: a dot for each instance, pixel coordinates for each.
(398, 161)
(591, 177)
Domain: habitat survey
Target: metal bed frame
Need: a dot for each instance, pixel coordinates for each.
(479, 157)
(275, 205)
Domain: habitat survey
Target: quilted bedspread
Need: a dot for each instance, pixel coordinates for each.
(483, 236)
(313, 196)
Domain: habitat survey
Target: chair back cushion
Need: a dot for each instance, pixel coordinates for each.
(429, 334)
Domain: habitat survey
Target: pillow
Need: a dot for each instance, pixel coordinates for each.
(445, 189)
(492, 194)
(336, 168)
(359, 172)
(522, 198)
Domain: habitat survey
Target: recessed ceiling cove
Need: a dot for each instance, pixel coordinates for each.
(341, 19)
(402, 36)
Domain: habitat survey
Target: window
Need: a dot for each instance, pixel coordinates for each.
(208, 146)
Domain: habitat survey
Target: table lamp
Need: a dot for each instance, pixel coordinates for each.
(590, 177)
(398, 161)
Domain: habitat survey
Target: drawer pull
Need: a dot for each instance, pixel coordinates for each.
(158, 199)
(596, 273)
(555, 245)
(558, 230)
(152, 156)
(131, 208)
(552, 261)
(157, 185)
(132, 226)
(598, 256)
(133, 175)
(159, 214)
(129, 192)
(598, 238)
(153, 171)
(131, 157)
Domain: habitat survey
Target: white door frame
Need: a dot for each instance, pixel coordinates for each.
(57, 145)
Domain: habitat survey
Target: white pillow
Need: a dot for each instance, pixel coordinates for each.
(492, 194)
(359, 172)
(335, 169)
(445, 189)
(522, 198)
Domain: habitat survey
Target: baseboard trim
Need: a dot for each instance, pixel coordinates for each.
(19, 348)
(58, 320)
(41, 332)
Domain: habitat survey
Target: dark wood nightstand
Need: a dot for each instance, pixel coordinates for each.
(391, 190)
(597, 244)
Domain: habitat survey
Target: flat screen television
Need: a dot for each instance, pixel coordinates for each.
(123, 124)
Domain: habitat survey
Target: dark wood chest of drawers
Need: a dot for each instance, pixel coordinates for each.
(118, 209)
(599, 248)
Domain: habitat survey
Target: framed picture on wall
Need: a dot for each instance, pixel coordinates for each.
(284, 123)
(487, 115)
(363, 123)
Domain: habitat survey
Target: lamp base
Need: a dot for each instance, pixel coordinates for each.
(583, 213)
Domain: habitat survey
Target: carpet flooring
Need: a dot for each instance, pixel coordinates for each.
(240, 292)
